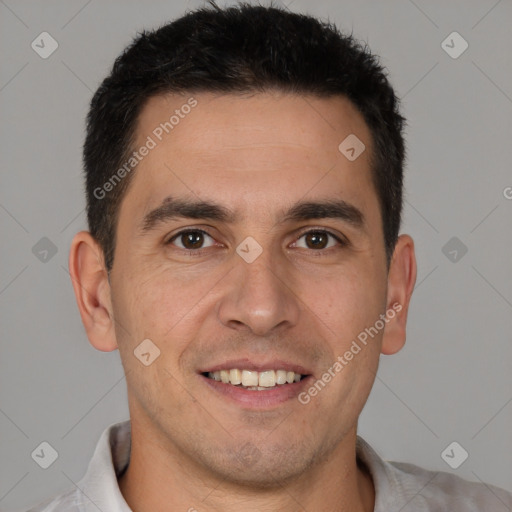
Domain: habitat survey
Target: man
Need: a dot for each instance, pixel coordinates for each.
(244, 192)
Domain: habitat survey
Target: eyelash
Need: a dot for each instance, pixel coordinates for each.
(199, 252)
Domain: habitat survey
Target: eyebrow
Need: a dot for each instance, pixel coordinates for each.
(177, 208)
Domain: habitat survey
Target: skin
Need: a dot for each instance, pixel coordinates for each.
(256, 153)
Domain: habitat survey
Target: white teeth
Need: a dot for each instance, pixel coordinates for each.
(235, 376)
(281, 377)
(267, 379)
(253, 380)
(249, 378)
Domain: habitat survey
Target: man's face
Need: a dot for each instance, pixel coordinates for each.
(208, 306)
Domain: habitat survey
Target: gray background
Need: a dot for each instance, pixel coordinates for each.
(452, 380)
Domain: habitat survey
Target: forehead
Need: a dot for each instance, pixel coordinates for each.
(271, 118)
(269, 148)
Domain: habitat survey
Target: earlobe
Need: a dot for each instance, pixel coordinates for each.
(401, 281)
(92, 291)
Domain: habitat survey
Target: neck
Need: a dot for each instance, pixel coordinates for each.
(160, 478)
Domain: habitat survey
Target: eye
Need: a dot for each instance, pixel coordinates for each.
(191, 239)
(319, 239)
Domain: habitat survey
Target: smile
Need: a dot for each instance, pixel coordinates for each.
(254, 380)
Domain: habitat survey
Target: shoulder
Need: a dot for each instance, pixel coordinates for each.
(410, 488)
(436, 490)
(69, 501)
(99, 484)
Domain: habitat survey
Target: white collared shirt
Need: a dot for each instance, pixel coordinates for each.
(398, 486)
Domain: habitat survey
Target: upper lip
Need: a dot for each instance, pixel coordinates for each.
(253, 365)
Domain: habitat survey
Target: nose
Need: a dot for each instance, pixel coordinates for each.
(259, 296)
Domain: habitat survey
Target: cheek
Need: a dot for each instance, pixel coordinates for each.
(161, 305)
(346, 301)
(349, 308)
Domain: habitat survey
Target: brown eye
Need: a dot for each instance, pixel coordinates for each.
(319, 239)
(190, 239)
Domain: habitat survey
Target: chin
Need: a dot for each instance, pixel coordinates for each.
(268, 468)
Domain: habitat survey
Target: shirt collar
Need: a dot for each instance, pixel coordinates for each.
(109, 461)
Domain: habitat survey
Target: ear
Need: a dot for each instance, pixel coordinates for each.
(401, 281)
(92, 291)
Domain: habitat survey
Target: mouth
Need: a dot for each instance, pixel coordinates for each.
(256, 386)
(253, 380)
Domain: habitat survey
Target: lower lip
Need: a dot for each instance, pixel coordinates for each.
(258, 399)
